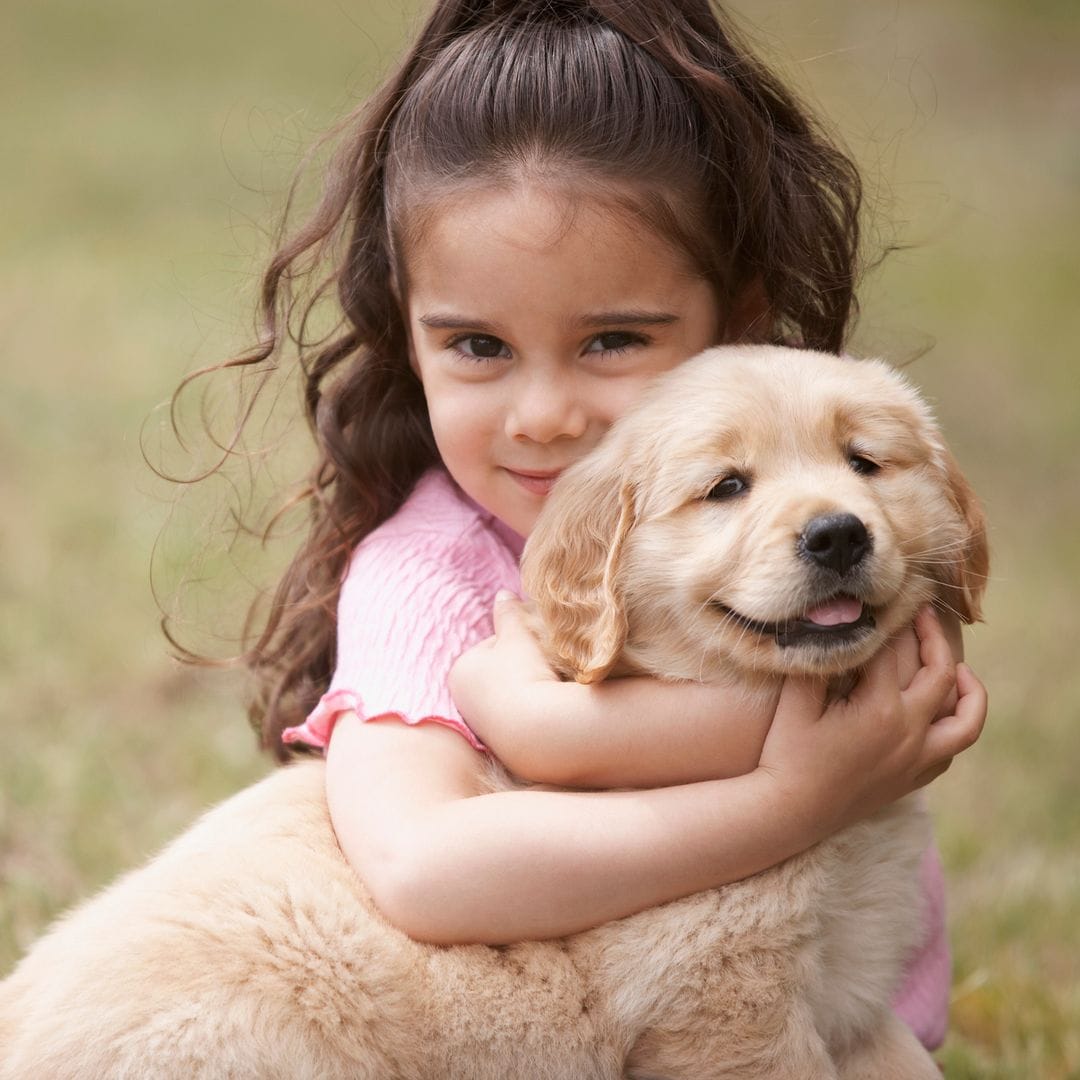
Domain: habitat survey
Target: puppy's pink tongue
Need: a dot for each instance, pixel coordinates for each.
(836, 612)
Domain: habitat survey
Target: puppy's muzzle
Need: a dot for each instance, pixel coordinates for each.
(837, 542)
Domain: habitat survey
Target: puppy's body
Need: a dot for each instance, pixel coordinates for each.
(248, 948)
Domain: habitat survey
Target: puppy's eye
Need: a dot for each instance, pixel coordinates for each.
(729, 487)
(864, 466)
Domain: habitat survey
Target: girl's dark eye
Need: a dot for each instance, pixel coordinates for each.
(615, 341)
(864, 466)
(729, 487)
(482, 346)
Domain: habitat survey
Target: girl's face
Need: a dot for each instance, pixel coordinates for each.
(533, 324)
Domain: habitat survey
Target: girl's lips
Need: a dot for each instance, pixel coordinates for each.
(537, 483)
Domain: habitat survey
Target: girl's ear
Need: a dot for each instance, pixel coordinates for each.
(570, 567)
(966, 576)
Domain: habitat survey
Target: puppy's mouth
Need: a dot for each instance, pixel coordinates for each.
(839, 620)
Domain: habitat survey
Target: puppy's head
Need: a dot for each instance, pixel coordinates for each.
(762, 510)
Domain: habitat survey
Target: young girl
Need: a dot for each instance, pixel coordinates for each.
(550, 203)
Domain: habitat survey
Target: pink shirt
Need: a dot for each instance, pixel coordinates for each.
(419, 592)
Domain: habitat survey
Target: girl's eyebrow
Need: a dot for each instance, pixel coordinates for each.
(634, 317)
(453, 321)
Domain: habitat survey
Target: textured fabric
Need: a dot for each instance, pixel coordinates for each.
(419, 592)
(923, 1001)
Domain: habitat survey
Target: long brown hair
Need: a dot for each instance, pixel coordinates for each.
(656, 97)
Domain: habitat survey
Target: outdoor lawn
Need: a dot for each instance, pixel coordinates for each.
(146, 155)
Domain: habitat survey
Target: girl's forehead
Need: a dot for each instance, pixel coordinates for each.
(532, 219)
(547, 222)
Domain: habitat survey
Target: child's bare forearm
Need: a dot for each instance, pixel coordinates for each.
(564, 862)
(633, 732)
(448, 864)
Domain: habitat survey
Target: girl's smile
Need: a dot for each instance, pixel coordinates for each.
(539, 483)
(534, 322)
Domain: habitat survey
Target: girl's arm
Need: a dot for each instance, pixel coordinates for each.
(628, 732)
(631, 732)
(448, 864)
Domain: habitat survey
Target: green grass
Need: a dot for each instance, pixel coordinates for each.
(146, 149)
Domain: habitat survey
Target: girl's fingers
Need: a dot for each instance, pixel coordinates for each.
(906, 646)
(515, 642)
(932, 650)
(507, 612)
(935, 680)
(953, 734)
(933, 644)
(880, 676)
(969, 684)
(802, 700)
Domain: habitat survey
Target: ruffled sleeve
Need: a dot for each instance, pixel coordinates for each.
(417, 594)
(317, 728)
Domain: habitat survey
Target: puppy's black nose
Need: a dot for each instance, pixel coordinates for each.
(835, 541)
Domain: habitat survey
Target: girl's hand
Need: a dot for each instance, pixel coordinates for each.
(906, 644)
(842, 762)
(491, 683)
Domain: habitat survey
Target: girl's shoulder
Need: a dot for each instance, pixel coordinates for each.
(437, 506)
(439, 525)
(418, 592)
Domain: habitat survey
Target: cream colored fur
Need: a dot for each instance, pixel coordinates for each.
(248, 949)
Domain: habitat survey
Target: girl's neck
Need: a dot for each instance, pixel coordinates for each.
(512, 539)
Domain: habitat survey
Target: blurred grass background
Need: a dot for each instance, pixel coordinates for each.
(147, 149)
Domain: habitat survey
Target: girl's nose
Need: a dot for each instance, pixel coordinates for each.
(543, 410)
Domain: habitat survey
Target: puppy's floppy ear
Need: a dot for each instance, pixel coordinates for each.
(966, 575)
(571, 562)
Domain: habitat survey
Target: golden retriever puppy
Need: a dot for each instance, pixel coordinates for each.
(764, 511)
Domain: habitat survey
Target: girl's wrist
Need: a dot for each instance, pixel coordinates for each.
(801, 805)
